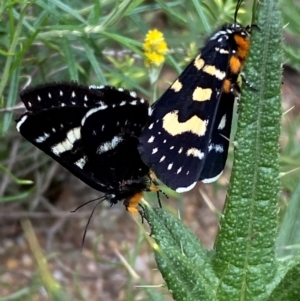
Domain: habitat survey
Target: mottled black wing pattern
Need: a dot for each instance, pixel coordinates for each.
(91, 131)
(177, 137)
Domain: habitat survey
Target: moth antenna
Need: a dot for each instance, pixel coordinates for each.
(238, 5)
(102, 198)
(88, 222)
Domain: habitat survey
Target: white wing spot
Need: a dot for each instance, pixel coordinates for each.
(155, 150)
(106, 146)
(133, 94)
(42, 138)
(195, 153)
(62, 147)
(151, 126)
(150, 111)
(96, 87)
(180, 150)
(222, 123)
(179, 170)
(122, 103)
(49, 95)
(151, 139)
(162, 159)
(74, 135)
(81, 162)
(170, 166)
(61, 93)
(39, 98)
(218, 148)
(217, 34)
(21, 121)
(73, 94)
(134, 102)
(66, 145)
(223, 51)
(171, 147)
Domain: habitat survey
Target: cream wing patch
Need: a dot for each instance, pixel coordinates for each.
(194, 125)
(177, 86)
(66, 145)
(201, 94)
(199, 62)
(213, 71)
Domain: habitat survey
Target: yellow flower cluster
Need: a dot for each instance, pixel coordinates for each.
(155, 48)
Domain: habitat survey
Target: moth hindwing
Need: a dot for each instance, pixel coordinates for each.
(187, 137)
(92, 132)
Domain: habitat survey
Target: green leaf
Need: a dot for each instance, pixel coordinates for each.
(183, 262)
(89, 51)
(126, 42)
(15, 197)
(95, 13)
(70, 59)
(170, 11)
(51, 8)
(202, 15)
(154, 295)
(244, 250)
(126, 79)
(289, 236)
(13, 177)
(12, 96)
(121, 9)
(289, 286)
(6, 70)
